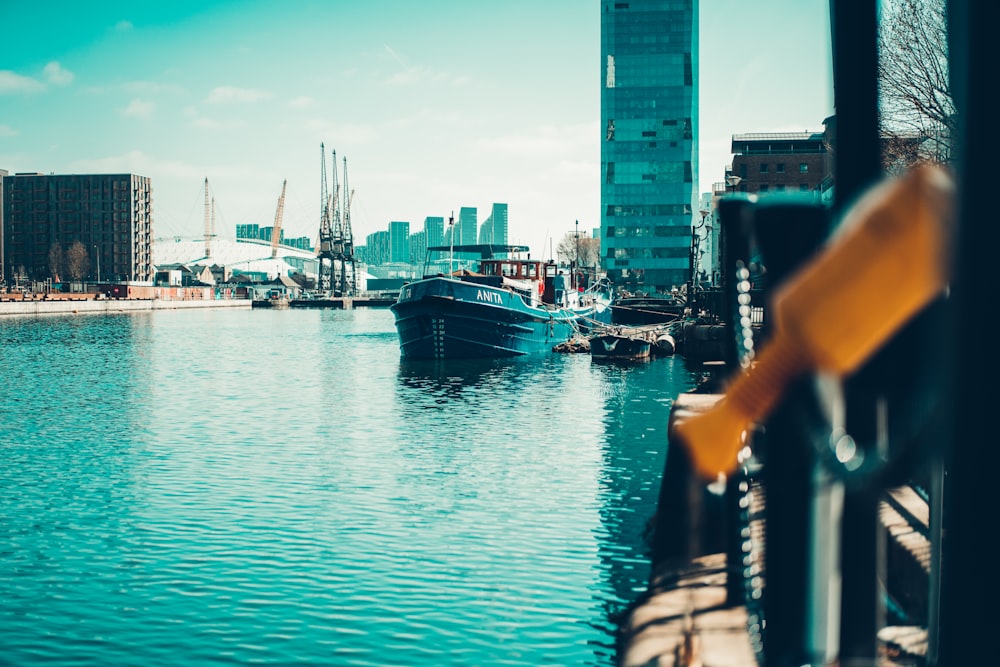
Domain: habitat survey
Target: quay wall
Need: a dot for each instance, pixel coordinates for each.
(106, 306)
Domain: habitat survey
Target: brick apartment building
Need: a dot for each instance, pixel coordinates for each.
(779, 162)
(109, 214)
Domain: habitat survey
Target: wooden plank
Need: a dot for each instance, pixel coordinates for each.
(684, 622)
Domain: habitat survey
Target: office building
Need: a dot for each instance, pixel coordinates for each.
(78, 227)
(649, 142)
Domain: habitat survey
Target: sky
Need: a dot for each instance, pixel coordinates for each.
(435, 105)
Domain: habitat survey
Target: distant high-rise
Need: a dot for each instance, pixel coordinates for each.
(467, 226)
(434, 226)
(649, 143)
(377, 248)
(108, 216)
(399, 241)
(494, 228)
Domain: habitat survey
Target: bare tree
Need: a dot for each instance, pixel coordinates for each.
(583, 250)
(916, 107)
(55, 261)
(77, 261)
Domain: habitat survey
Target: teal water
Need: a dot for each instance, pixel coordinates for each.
(214, 487)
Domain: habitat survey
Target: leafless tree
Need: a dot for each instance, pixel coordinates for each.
(573, 246)
(916, 107)
(77, 261)
(55, 260)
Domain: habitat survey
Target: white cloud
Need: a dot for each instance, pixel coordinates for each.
(206, 123)
(302, 102)
(123, 26)
(57, 75)
(409, 76)
(413, 74)
(151, 88)
(546, 140)
(139, 109)
(7, 131)
(12, 82)
(233, 95)
(136, 162)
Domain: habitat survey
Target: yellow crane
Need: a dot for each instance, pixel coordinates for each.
(276, 230)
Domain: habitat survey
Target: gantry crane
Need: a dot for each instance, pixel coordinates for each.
(336, 243)
(324, 251)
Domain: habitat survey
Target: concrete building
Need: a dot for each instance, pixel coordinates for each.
(649, 142)
(77, 226)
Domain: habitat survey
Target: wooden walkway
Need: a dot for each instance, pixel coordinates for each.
(683, 619)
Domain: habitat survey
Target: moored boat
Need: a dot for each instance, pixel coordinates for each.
(630, 343)
(501, 305)
(620, 346)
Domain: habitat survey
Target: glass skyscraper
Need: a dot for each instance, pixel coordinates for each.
(649, 143)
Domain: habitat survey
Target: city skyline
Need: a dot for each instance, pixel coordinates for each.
(435, 106)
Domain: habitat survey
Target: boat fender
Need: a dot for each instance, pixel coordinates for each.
(541, 287)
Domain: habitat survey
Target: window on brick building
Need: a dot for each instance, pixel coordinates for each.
(763, 167)
(803, 168)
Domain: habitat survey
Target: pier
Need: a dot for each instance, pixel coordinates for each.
(344, 302)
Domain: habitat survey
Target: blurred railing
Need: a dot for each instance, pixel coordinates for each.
(915, 415)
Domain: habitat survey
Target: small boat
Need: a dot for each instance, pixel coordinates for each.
(630, 343)
(498, 305)
(614, 345)
(645, 309)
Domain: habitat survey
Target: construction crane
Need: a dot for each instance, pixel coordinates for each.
(276, 230)
(208, 224)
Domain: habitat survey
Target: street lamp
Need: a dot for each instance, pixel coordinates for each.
(576, 238)
(97, 254)
(732, 181)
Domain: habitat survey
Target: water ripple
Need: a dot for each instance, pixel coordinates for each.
(278, 487)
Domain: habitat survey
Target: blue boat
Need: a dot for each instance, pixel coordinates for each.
(498, 305)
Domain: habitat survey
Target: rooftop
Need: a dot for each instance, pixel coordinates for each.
(779, 136)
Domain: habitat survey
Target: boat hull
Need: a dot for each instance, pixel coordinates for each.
(441, 318)
(620, 347)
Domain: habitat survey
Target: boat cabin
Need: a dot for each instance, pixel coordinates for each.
(539, 279)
